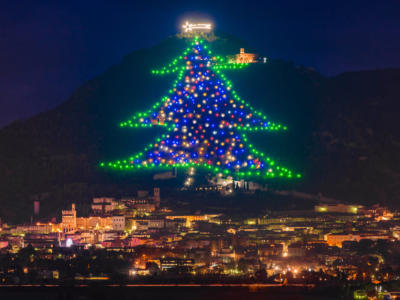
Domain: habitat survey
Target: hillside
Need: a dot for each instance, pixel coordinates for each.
(356, 140)
(342, 133)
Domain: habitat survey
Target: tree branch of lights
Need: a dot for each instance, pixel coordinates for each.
(205, 120)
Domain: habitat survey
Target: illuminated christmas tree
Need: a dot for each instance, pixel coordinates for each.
(205, 122)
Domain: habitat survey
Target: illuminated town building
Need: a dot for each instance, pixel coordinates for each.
(338, 208)
(69, 219)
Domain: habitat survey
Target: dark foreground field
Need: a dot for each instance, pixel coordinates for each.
(165, 293)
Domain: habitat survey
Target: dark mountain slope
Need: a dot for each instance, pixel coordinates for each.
(357, 141)
(333, 124)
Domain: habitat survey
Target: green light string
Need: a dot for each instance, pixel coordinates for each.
(138, 119)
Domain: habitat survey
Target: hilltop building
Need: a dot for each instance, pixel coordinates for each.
(245, 58)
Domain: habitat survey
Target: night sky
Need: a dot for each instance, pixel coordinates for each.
(49, 48)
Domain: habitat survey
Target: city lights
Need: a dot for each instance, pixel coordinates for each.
(284, 248)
